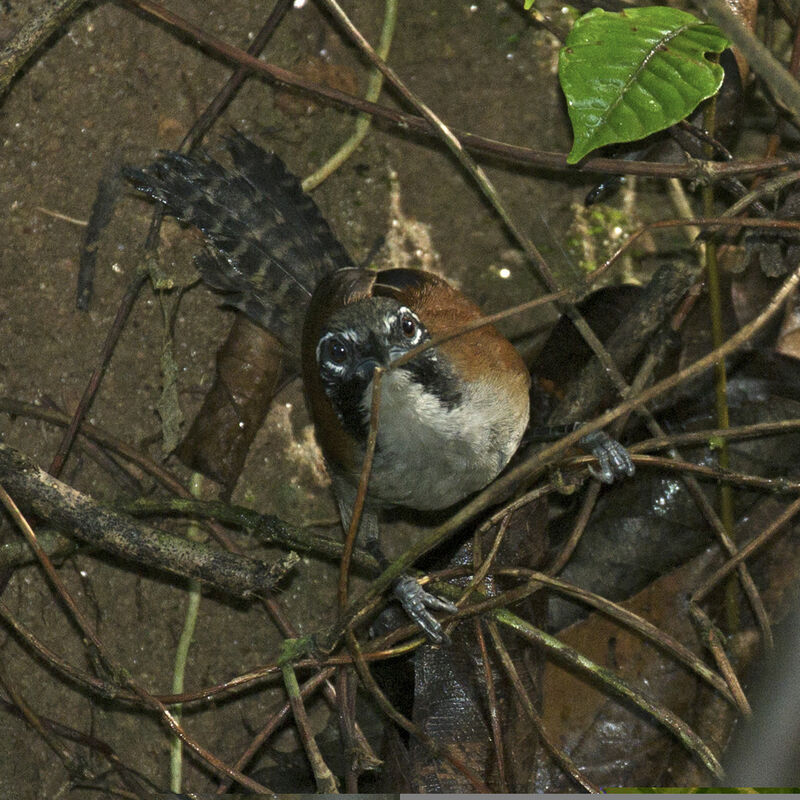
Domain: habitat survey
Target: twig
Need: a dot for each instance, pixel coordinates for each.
(361, 494)
(119, 674)
(72, 511)
(536, 581)
(102, 688)
(662, 293)
(764, 188)
(280, 716)
(712, 275)
(325, 780)
(566, 654)
(748, 550)
(406, 724)
(692, 170)
(71, 764)
(493, 707)
(363, 120)
(724, 476)
(713, 640)
(621, 615)
(182, 654)
(781, 84)
(114, 332)
(266, 527)
(223, 97)
(558, 753)
(578, 527)
(130, 777)
(32, 35)
(756, 430)
(82, 223)
(694, 222)
(480, 571)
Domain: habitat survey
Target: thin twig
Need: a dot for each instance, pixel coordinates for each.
(133, 779)
(493, 706)
(361, 494)
(558, 753)
(324, 778)
(705, 437)
(621, 615)
(383, 703)
(691, 170)
(724, 476)
(279, 717)
(363, 120)
(613, 682)
(72, 765)
(114, 332)
(748, 550)
(120, 675)
(182, 653)
(782, 85)
(713, 640)
(578, 527)
(223, 97)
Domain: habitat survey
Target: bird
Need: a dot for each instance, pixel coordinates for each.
(450, 418)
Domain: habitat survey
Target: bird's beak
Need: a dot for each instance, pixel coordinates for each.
(366, 368)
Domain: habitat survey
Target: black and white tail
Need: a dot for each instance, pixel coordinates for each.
(269, 245)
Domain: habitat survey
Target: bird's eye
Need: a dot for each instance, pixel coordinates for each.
(336, 351)
(408, 325)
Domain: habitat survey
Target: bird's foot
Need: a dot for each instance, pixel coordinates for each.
(613, 459)
(418, 604)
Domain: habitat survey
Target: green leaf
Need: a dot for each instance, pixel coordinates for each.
(629, 74)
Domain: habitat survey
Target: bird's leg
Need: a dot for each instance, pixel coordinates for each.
(613, 458)
(416, 602)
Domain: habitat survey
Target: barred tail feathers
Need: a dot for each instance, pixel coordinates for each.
(269, 245)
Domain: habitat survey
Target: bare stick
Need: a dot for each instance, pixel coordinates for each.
(93, 523)
(32, 35)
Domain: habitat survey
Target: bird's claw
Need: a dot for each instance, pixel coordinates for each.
(613, 459)
(416, 602)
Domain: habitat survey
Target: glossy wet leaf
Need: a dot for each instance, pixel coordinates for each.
(629, 74)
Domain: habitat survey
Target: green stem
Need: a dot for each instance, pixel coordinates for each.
(182, 654)
(614, 683)
(363, 120)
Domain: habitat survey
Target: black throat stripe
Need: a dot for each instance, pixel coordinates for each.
(436, 378)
